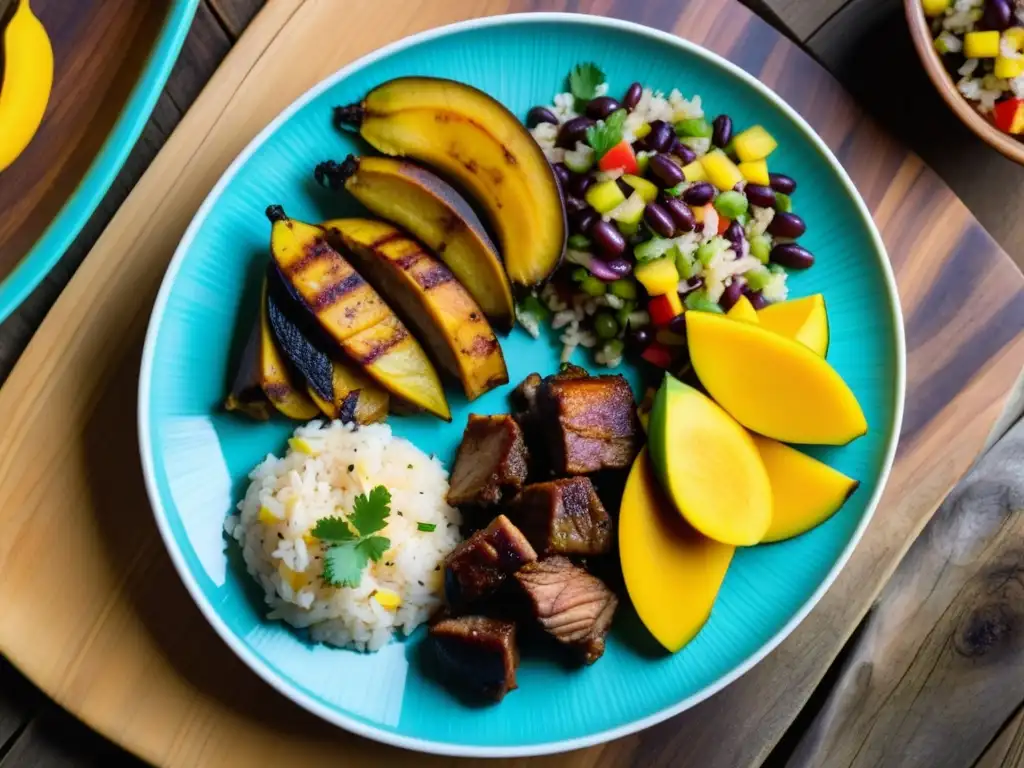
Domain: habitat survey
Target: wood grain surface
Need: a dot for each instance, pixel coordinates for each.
(127, 651)
(99, 51)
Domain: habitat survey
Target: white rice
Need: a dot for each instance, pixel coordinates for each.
(287, 496)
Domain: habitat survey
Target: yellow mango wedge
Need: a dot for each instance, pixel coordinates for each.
(743, 310)
(770, 384)
(708, 464)
(805, 492)
(804, 320)
(672, 573)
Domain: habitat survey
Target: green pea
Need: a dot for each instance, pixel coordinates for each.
(605, 326)
(624, 289)
(731, 204)
(579, 242)
(591, 286)
(697, 127)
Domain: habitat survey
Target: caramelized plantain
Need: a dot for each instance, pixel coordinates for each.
(433, 302)
(353, 314)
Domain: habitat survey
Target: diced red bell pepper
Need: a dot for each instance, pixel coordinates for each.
(723, 224)
(619, 156)
(661, 310)
(1008, 116)
(657, 355)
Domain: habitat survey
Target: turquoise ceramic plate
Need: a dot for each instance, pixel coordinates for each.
(195, 456)
(34, 266)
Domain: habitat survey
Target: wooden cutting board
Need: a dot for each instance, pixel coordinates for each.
(93, 611)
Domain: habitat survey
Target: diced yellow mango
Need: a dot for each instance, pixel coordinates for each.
(605, 196)
(694, 172)
(295, 579)
(642, 131)
(647, 191)
(755, 143)
(699, 211)
(267, 517)
(1008, 68)
(721, 170)
(756, 172)
(659, 277)
(934, 7)
(674, 301)
(981, 45)
(1015, 36)
(387, 599)
(302, 446)
(743, 310)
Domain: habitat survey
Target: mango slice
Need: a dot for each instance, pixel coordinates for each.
(804, 320)
(805, 492)
(672, 573)
(743, 310)
(708, 464)
(770, 384)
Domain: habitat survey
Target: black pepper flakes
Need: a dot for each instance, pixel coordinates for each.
(351, 467)
(409, 467)
(420, 583)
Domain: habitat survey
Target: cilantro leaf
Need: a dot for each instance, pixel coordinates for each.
(332, 530)
(584, 79)
(374, 547)
(606, 133)
(344, 564)
(370, 511)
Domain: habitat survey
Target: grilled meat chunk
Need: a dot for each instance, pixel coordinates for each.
(491, 461)
(477, 653)
(562, 517)
(480, 564)
(593, 417)
(573, 607)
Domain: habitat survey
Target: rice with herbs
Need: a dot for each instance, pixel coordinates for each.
(325, 468)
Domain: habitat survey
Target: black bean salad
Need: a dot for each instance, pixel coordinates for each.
(668, 212)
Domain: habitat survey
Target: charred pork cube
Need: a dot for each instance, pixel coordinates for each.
(594, 422)
(562, 517)
(477, 653)
(491, 460)
(480, 564)
(573, 606)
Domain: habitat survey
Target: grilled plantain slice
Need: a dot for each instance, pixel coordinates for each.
(264, 371)
(337, 388)
(473, 139)
(431, 210)
(353, 314)
(440, 311)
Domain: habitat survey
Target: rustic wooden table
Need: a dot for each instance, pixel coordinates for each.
(893, 672)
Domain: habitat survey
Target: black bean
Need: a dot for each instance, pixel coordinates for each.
(661, 136)
(693, 283)
(998, 15)
(582, 220)
(680, 212)
(787, 225)
(734, 234)
(757, 301)
(721, 130)
(624, 188)
(640, 338)
(760, 195)
(667, 173)
(641, 145)
(780, 182)
(683, 152)
(573, 131)
(539, 115)
(621, 267)
(579, 184)
(699, 194)
(574, 205)
(731, 295)
(659, 220)
(633, 93)
(792, 256)
(607, 238)
(561, 173)
(601, 107)
(677, 325)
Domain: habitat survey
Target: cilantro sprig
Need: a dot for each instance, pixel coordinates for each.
(606, 133)
(584, 79)
(350, 542)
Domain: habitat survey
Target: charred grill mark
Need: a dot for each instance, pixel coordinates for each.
(407, 260)
(381, 348)
(347, 409)
(509, 157)
(335, 291)
(277, 390)
(433, 276)
(482, 346)
(388, 238)
(310, 253)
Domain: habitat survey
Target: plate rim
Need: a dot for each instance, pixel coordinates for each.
(54, 241)
(366, 730)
